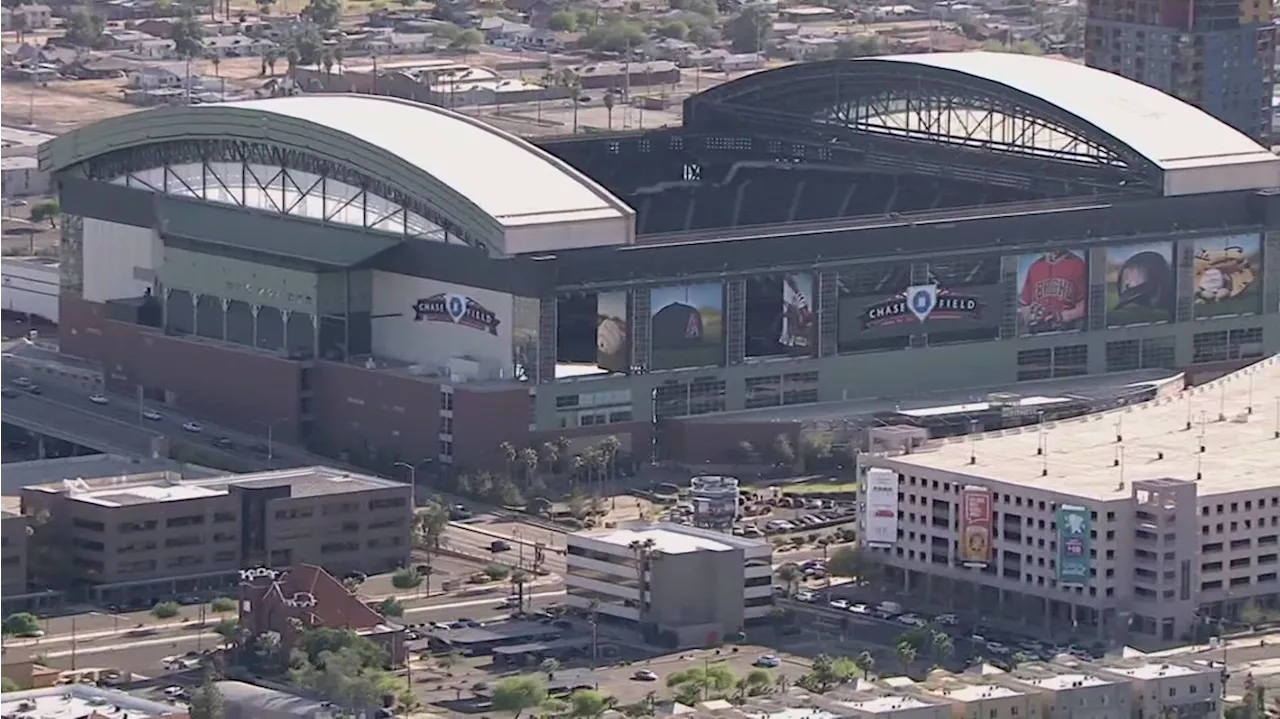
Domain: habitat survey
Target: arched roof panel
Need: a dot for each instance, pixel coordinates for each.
(484, 177)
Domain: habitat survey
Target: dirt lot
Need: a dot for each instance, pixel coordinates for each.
(62, 106)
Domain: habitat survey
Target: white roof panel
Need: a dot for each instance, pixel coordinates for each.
(508, 178)
(1169, 132)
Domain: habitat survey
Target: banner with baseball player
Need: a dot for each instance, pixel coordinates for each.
(1140, 284)
(1227, 276)
(782, 318)
(1053, 292)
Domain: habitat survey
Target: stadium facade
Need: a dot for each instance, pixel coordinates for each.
(398, 282)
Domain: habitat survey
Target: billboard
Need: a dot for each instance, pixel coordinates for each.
(1053, 292)
(1073, 545)
(975, 526)
(686, 327)
(781, 316)
(952, 300)
(1140, 284)
(881, 505)
(1228, 276)
(613, 334)
(714, 500)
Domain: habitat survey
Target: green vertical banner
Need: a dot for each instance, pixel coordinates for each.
(1074, 528)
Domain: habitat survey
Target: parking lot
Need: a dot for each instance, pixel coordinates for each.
(767, 513)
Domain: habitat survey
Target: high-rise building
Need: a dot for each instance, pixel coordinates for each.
(1215, 54)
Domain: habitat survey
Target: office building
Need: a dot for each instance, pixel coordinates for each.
(1214, 54)
(139, 537)
(85, 701)
(13, 541)
(1140, 520)
(686, 586)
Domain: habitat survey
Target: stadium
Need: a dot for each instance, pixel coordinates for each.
(395, 281)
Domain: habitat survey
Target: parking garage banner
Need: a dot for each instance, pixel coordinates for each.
(613, 334)
(1228, 276)
(957, 300)
(1140, 284)
(975, 526)
(881, 505)
(686, 328)
(1073, 545)
(1053, 292)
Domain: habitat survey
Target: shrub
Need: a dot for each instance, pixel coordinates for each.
(223, 604)
(165, 610)
(406, 578)
(21, 623)
(496, 572)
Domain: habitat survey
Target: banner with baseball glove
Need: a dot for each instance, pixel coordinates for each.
(1227, 276)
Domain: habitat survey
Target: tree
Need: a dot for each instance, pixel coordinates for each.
(747, 29)
(675, 29)
(314, 643)
(589, 704)
(8, 685)
(828, 672)
(264, 6)
(519, 693)
(468, 40)
(84, 29)
(429, 526)
(47, 210)
(324, 13)
(520, 578)
(563, 21)
(549, 666)
(406, 578)
(206, 701)
(866, 662)
(496, 572)
(224, 604)
(618, 36)
(187, 35)
(906, 653)
(345, 677)
(854, 563)
(790, 575)
(701, 683)
(1252, 614)
(165, 610)
(942, 646)
(228, 629)
(529, 465)
(509, 457)
(784, 454)
(391, 607)
(21, 623)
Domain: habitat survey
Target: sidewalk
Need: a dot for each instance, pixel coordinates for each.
(1242, 642)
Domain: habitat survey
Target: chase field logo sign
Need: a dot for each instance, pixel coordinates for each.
(458, 310)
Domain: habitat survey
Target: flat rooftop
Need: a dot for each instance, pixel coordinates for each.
(1157, 670)
(78, 701)
(888, 704)
(17, 475)
(168, 487)
(975, 692)
(1060, 682)
(671, 538)
(1097, 456)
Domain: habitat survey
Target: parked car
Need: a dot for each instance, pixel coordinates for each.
(193, 427)
(99, 399)
(768, 661)
(151, 414)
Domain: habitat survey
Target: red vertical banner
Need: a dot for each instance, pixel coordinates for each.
(975, 526)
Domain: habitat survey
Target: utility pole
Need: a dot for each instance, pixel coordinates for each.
(73, 642)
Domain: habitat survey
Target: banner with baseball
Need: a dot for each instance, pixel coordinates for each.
(613, 335)
(1227, 276)
(1053, 292)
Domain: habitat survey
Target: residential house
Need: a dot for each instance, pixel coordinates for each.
(96, 68)
(236, 46)
(156, 49)
(118, 39)
(399, 43)
(156, 27)
(154, 78)
(306, 597)
(616, 75)
(537, 12)
(129, 9)
(33, 17)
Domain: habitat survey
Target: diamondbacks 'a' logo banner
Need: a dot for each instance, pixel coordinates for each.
(458, 310)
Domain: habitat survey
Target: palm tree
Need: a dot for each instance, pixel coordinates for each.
(866, 662)
(790, 575)
(550, 456)
(644, 551)
(593, 615)
(519, 578)
(609, 100)
(906, 652)
(573, 83)
(529, 462)
(609, 448)
(943, 645)
(509, 456)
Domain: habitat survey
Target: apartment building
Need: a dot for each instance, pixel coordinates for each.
(13, 543)
(136, 538)
(1136, 523)
(685, 586)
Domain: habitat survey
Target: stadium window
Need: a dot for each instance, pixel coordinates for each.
(1209, 347)
(763, 391)
(1070, 361)
(1158, 353)
(706, 395)
(671, 399)
(1035, 364)
(1123, 355)
(800, 388)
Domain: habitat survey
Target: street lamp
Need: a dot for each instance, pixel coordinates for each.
(413, 480)
(271, 429)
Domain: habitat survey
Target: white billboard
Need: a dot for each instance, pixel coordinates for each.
(881, 504)
(438, 324)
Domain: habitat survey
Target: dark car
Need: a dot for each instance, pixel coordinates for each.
(223, 442)
(498, 545)
(34, 389)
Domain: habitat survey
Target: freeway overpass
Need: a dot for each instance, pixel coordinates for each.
(64, 412)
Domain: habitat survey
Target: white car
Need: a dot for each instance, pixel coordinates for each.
(839, 604)
(912, 620)
(99, 399)
(859, 609)
(193, 427)
(806, 596)
(151, 414)
(947, 620)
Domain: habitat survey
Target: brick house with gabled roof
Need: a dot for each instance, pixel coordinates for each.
(306, 597)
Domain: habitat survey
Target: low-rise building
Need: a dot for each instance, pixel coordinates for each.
(642, 574)
(74, 701)
(14, 545)
(27, 17)
(138, 538)
(291, 601)
(22, 177)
